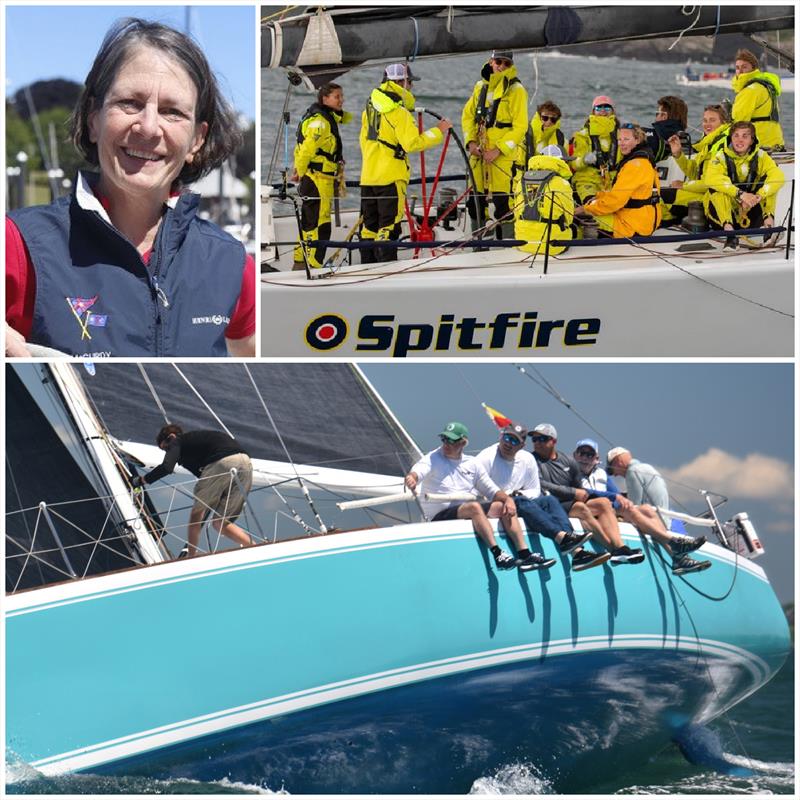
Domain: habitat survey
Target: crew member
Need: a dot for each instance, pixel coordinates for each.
(756, 100)
(594, 148)
(544, 206)
(671, 119)
(388, 134)
(631, 205)
(545, 129)
(743, 183)
(680, 193)
(318, 165)
(210, 456)
(495, 120)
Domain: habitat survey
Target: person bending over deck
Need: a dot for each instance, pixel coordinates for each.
(210, 455)
(647, 491)
(632, 205)
(514, 470)
(561, 476)
(447, 470)
(388, 134)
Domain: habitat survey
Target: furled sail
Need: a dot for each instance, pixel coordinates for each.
(330, 41)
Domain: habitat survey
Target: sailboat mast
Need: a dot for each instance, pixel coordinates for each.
(98, 448)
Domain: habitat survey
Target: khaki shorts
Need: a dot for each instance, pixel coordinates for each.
(218, 492)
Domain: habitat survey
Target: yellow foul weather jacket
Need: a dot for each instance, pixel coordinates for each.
(319, 146)
(633, 198)
(388, 133)
(598, 136)
(544, 199)
(756, 101)
(728, 174)
(496, 117)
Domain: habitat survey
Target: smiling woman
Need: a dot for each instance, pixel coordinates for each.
(125, 266)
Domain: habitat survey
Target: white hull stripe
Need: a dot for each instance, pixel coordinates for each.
(66, 594)
(165, 736)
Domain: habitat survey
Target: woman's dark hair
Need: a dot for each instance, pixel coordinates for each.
(167, 431)
(325, 90)
(124, 36)
(550, 106)
(675, 108)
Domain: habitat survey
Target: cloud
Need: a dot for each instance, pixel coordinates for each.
(754, 477)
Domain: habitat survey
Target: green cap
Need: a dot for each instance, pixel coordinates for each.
(455, 431)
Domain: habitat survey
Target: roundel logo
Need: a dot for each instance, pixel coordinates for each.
(326, 332)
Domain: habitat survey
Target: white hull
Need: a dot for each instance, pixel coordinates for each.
(646, 300)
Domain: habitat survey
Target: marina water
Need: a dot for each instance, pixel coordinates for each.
(445, 84)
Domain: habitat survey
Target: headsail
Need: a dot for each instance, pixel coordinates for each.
(327, 414)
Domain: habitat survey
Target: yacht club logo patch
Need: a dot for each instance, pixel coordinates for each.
(81, 310)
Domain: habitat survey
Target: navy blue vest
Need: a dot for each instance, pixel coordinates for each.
(95, 297)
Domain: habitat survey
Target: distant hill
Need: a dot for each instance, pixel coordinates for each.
(699, 49)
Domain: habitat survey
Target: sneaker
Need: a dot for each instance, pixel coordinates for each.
(184, 552)
(571, 541)
(533, 561)
(505, 561)
(586, 559)
(684, 565)
(681, 545)
(624, 555)
(731, 243)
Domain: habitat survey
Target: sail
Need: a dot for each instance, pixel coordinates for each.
(327, 415)
(330, 42)
(40, 468)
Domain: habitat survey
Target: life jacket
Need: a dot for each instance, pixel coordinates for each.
(774, 114)
(487, 115)
(95, 297)
(752, 183)
(332, 118)
(715, 144)
(655, 197)
(534, 188)
(530, 147)
(374, 124)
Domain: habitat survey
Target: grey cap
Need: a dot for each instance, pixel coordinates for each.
(520, 431)
(546, 429)
(507, 54)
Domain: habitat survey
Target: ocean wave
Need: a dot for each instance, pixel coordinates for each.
(513, 779)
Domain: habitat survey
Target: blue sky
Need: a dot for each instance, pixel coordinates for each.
(727, 428)
(60, 41)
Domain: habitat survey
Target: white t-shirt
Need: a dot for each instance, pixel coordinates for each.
(521, 474)
(438, 474)
(597, 479)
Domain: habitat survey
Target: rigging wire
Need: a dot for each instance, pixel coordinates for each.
(153, 392)
(202, 400)
(300, 481)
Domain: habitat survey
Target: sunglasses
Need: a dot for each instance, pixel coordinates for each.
(503, 62)
(541, 438)
(586, 453)
(509, 438)
(445, 440)
(604, 108)
(548, 118)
